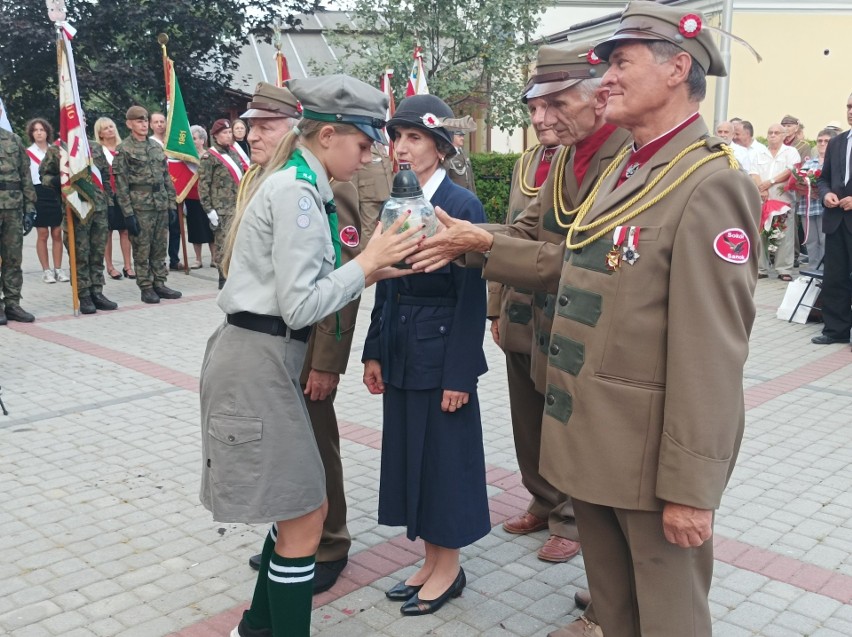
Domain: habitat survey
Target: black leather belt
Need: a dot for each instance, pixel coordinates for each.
(10, 185)
(145, 187)
(273, 325)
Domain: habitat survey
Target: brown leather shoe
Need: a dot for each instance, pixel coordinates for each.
(524, 523)
(583, 627)
(582, 598)
(558, 549)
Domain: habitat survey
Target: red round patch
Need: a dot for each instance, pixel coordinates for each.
(690, 25)
(733, 245)
(349, 236)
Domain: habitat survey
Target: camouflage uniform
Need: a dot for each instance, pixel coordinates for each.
(217, 191)
(90, 236)
(17, 194)
(143, 187)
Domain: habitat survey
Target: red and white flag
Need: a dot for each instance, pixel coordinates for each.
(387, 90)
(417, 79)
(75, 167)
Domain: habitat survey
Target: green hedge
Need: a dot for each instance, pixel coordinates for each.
(493, 175)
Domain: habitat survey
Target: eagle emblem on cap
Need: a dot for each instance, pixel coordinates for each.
(430, 120)
(690, 25)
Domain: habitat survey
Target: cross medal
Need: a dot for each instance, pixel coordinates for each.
(625, 241)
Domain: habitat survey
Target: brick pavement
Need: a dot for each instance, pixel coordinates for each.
(102, 534)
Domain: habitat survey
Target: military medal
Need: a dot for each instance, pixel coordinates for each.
(613, 257)
(631, 169)
(630, 252)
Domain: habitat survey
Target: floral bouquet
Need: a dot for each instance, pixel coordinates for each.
(773, 223)
(803, 180)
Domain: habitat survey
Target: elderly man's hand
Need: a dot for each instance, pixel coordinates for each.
(454, 239)
(687, 526)
(845, 203)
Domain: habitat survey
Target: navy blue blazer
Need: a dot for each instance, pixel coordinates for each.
(426, 330)
(831, 180)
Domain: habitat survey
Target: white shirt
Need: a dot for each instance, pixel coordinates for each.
(848, 150)
(767, 168)
(431, 186)
(743, 157)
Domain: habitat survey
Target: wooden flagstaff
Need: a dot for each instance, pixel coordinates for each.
(72, 256)
(163, 40)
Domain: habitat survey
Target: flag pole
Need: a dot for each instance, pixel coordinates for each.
(69, 216)
(163, 39)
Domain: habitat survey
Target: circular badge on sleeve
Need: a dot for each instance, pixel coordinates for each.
(733, 245)
(305, 203)
(303, 221)
(349, 236)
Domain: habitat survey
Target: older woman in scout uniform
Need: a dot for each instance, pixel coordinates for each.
(219, 175)
(259, 457)
(424, 353)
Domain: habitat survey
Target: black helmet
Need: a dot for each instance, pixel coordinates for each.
(424, 112)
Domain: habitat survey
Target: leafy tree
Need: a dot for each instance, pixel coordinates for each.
(119, 61)
(475, 52)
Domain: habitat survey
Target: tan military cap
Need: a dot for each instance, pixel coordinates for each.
(644, 20)
(136, 112)
(790, 119)
(271, 101)
(342, 99)
(557, 69)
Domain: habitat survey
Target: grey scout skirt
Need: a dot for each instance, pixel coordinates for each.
(260, 461)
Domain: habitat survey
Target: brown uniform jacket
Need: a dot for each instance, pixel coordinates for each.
(537, 264)
(644, 402)
(373, 183)
(325, 353)
(512, 307)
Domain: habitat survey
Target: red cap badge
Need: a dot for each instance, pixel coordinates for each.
(733, 245)
(690, 25)
(349, 236)
(592, 57)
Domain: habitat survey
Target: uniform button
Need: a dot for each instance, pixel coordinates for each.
(554, 349)
(551, 399)
(402, 319)
(564, 300)
(231, 439)
(442, 329)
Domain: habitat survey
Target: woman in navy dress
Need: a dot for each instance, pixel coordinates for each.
(424, 354)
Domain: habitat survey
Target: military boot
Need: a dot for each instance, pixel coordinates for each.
(3, 319)
(166, 293)
(87, 306)
(103, 303)
(149, 296)
(17, 313)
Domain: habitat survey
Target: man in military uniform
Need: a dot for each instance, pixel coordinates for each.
(373, 183)
(90, 236)
(219, 176)
(530, 252)
(146, 195)
(272, 112)
(511, 312)
(17, 215)
(458, 166)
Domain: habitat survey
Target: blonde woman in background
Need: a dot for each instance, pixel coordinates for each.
(106, 134)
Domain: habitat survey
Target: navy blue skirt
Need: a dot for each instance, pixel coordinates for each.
(433, 469)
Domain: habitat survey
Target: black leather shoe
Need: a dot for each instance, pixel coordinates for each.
(103, 303)
(416, 606)
(254, 561)
(3, 319)
(222, 282)
(149, 296)
(166, 293)
(402, 592)
(87, 306)
(822, 339)
(582, 598)
(17, 313)
(326, 574)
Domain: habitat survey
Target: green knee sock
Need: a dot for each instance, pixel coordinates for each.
(257, 615)
(291, 589)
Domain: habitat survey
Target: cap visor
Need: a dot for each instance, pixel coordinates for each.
(549, 88)
(605, 48)
(257, 113)
(373, 133)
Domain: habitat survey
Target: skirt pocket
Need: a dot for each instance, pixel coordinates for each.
(234, 450)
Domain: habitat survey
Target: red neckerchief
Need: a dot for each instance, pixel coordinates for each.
(640, 156)
(584, 150)
(544, 165)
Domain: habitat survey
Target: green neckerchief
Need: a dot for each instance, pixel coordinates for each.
(305, 173)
